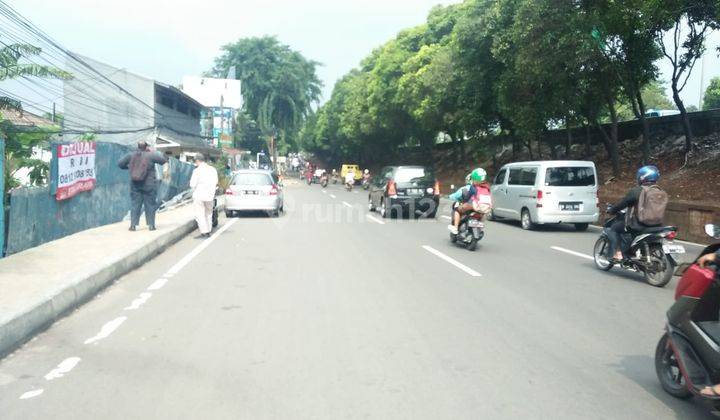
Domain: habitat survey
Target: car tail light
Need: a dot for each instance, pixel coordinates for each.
(391, 188)
(273, 190)
(539, 199)
(437, 188)
(229, 192)
(671, 235)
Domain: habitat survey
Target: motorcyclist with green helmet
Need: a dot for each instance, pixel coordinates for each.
(471, 197)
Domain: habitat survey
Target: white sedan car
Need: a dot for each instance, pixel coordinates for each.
(254, 190)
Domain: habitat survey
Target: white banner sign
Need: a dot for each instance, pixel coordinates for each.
(76, 169)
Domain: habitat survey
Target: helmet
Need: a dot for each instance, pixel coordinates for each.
(647, 174)
(367, 171)
(479, 175)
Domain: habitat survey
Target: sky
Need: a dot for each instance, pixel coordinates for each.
(168, 39)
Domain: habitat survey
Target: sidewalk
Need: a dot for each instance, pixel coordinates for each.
(40, 285)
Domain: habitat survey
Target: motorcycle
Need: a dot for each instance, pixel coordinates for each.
(366, 182)
(324, 180)
(335, 178)
(687, 357)
(470, 231)
(649, 251)
(349, 186)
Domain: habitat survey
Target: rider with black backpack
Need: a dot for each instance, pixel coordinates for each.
(646, 203)
(143, 182)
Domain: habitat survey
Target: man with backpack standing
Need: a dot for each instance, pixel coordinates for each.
(143, 183)
(646, 205)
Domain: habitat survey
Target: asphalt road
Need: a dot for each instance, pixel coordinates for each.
(330, 312)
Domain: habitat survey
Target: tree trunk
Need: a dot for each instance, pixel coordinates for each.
(568, 139)
(645, 127)
(687, 128)
(588, 141)
(612, 144)
(529, 147)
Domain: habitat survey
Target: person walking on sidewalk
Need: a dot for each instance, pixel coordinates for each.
(143, 183)
(204, 181)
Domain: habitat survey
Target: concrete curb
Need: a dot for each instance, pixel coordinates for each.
(79, 289)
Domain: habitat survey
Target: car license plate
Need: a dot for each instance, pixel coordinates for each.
(414, 191)
(673, 249)
(570, 206)
(251, 193)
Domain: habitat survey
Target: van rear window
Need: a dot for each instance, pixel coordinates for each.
(582, 176)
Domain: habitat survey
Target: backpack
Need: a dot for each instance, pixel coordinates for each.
(651, 206)
(139, 167)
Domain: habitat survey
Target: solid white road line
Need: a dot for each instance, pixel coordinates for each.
(106, 330)
(198, 249)
(158, 284)
(446, 217)
(332, 196)
(374, 219)
(346, 204)
(139, 301)
(457, 264)
(31, 394)
(64, 367)
(577, 254)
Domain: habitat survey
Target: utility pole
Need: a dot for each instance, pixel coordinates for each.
(222, 121)
(53, 114)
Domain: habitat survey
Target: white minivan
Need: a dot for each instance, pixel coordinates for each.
(553, 191)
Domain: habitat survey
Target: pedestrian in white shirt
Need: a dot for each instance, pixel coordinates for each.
(204, 181)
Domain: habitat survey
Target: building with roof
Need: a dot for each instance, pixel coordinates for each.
(133, 108)
(223, 100)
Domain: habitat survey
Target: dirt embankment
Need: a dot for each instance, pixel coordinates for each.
(695, 180)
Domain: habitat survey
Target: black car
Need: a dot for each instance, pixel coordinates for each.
(405, 190)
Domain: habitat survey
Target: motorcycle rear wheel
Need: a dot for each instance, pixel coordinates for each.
(668, 371)
(662, 276)
(472, 245)
(601, 261)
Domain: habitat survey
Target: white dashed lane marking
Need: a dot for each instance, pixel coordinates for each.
(571, 252)
(452, 261)
(106, 330)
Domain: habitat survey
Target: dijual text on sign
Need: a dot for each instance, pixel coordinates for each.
(76, 169)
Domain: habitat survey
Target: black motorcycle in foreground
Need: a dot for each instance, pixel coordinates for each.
(470, 231)
(324, 180)
(648, 251)
(687, 358)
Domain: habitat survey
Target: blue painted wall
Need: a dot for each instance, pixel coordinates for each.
(36, 217)
(2, 196)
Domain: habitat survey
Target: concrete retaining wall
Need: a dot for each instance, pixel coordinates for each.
(35, 217)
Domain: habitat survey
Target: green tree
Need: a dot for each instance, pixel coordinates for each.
(711, 100)
(19, 145)
(280, 86)
(682, 28)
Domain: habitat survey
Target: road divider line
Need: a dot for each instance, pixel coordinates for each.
(446, 217)
(158, 284)
(332, 196)
(452, 261)
(64, 367)
(324, 192)
(200, 248)
(571, 252)
(32, 394)
(139, 301)
(374, 219)
(106, 330)
(346, 204)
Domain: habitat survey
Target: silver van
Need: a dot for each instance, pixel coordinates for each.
(553, 191)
